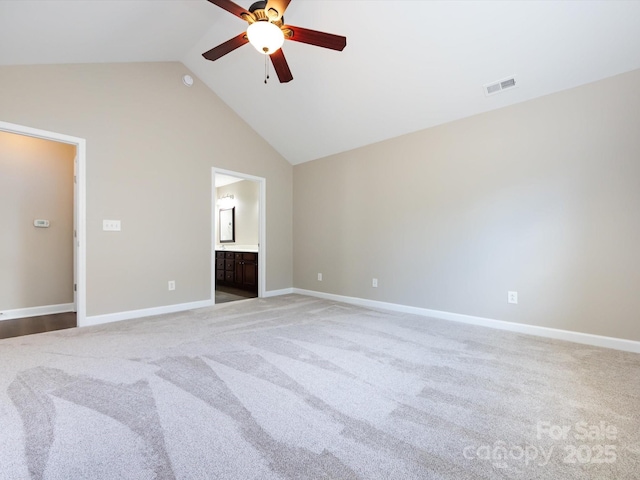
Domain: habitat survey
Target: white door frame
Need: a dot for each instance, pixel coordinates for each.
(262, 236)
(79, 208)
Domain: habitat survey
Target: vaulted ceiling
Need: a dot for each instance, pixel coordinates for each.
(408, 65)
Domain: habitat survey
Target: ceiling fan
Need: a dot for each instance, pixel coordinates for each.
(267, 32)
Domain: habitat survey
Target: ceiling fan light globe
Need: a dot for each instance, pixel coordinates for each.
(265, 37)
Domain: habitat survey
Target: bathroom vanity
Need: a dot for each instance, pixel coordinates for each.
(237, 269)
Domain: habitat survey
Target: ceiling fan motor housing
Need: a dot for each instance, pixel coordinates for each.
(259, 5)
(260, 14)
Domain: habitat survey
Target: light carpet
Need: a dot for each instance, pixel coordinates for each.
(295, 387)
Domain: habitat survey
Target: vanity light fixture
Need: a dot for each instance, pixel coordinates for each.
(226, 201)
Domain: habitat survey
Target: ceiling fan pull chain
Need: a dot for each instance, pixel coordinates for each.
(266, 69)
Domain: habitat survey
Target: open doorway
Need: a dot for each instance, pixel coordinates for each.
(43, 284)
(238, 261)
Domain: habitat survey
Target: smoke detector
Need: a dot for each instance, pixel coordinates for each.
(187, 80)
(500, 86)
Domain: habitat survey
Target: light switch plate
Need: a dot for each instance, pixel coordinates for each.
(111, 225)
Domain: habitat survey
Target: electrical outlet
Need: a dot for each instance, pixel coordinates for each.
(319, 277)
(512, 297)
(374, 283)
(172, 284)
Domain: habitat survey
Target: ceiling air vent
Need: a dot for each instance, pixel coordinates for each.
(499, 86)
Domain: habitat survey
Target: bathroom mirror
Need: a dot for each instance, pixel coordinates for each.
(227, 225)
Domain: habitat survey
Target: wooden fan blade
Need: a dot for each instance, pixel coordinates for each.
(313, 37)
(281, 66)
(231, 7)
(226, 47)
(275, 8)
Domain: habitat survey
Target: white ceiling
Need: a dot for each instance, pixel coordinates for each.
(408, 65)
(224, 180)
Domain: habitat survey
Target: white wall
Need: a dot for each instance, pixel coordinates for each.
(246, 202)
(151, 144)
(541, 198)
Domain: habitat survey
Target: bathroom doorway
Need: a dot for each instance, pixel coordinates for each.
(238, 221)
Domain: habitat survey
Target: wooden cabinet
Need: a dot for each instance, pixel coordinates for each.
(238, 270)
(229, 267)
(219, 268)
(246, 271)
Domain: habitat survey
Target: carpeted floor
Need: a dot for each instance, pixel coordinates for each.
(295, 387)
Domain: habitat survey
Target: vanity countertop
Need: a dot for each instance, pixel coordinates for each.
(237, 248)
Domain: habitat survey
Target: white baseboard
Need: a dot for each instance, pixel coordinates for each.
(36, 311)
(276, 293)
(144, 312)
(567, 335)
(148, 312)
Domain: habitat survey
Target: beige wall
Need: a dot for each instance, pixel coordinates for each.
(151, 144)
(246, 201)
(36, 182)
(541, 198)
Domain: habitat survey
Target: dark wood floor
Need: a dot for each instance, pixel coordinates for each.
(226, 294)
(45, 323)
